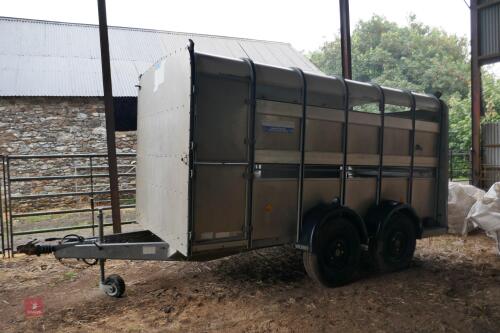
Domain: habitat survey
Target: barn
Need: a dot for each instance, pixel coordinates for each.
(51, 84)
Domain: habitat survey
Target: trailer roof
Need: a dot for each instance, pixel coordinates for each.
(360, 93)
(46, 58)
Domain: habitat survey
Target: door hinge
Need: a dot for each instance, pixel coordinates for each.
(248, 229)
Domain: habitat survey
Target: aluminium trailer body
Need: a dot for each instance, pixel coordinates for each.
(226, 163)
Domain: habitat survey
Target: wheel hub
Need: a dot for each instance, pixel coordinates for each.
(397, 244)
(337, 253)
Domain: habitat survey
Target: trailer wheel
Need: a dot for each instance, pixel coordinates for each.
(337, 254)
(116, 284)
(394, 248)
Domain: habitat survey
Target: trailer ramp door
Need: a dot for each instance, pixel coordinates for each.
(163, 127)
(221, 157)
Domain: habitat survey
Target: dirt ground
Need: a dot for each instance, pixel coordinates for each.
(452, 286)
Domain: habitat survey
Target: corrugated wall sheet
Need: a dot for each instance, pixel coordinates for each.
(491, 153)
(489, 30)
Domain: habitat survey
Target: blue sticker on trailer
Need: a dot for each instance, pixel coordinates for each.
(277, 129)
(286, 127)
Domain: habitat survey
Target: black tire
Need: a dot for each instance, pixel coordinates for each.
(117, 285)
(337, 255)
(394, 248)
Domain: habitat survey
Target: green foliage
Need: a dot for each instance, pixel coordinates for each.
(419, 58)
(460, 123)
(414, 57)
(491, 98)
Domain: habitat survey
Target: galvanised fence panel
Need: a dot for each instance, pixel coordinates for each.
(49, 195)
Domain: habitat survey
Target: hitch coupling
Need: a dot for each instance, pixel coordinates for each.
(32, 248)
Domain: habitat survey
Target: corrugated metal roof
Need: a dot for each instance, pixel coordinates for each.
(43, 58)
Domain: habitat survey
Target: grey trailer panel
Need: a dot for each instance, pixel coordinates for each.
(320, 190)
(274, 211)
(324, 91)
(426, 144)
(362, 139)
(219, 203)
(221, 119)
(163, 126)
(396, 141)
(360, 193)
(220, 66)
(394, 189)
(424, 197)
(278, 108)
(277, 84)
(276, 132)
(323, 136)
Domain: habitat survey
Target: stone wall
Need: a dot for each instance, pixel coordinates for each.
(57, 125)
(52, 125)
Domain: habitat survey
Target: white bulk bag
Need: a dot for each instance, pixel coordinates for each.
(461, 198)
(485, 213)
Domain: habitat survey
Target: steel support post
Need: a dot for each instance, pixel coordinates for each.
(345, 39)
(110, 117)
(475, 95)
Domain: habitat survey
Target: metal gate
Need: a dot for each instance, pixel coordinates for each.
(459, 166)
(50, 194)
(3, 226)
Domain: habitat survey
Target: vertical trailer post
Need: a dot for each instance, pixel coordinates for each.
(110, 116)
(102, 274)
(381, 108)
(345, 45)
(412, 147)
(344, 141)
(251, 148)
(192, 148)
(302, 152)
(345, 39)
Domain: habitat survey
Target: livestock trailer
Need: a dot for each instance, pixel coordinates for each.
(234, 155)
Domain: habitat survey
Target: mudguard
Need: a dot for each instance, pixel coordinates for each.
(324, 213)
(378, 215)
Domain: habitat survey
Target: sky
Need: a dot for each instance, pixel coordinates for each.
(304, 24)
